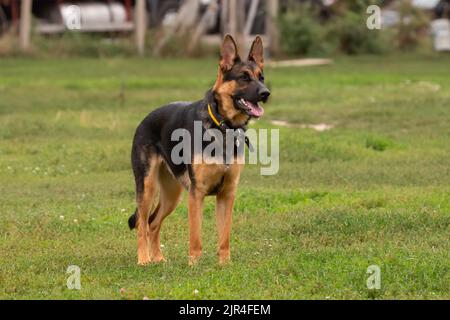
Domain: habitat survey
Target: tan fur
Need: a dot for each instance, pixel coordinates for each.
(158, 179)
(224, 94)
(207, 177)
(257, 52)
(219, 80)
(224, 211)
(144, 203)
(185, 180)
(195, 209)
(256, 73)
(170, 195)
(225, 90)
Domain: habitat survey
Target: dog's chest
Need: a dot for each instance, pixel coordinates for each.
(209, 178)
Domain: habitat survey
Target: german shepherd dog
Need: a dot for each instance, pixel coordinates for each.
(235, 98)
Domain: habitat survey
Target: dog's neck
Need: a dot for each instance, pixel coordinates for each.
(216, 115)
(215, 119)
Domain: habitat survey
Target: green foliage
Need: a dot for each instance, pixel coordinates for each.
(411, 31)
(353, 36)
(304, 32)
(301, 33)
(378, 144)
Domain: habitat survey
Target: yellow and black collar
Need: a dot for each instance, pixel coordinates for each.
(223, 126)
(218, 123)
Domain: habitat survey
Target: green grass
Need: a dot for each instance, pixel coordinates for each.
(375, 189)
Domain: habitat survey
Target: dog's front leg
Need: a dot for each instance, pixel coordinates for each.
(224, 213)
(195, 226)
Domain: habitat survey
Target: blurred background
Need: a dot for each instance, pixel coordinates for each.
(195, 27)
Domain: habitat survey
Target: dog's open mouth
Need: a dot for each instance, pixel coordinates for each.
(254, 110)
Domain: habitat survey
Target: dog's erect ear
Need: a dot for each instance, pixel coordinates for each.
(228, 53)
(257, 52)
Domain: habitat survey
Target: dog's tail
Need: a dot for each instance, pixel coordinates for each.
(132, 220)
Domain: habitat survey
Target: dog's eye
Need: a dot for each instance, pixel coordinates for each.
(245, 77)
(261, 78)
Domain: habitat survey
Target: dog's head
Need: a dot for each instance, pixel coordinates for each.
(240, 87)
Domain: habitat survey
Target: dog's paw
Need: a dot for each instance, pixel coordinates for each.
(144, 263)
(224, 260)
(193, 260)
(144, 260)
(159, 259)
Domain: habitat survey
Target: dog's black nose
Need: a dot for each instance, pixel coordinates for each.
(264, 94)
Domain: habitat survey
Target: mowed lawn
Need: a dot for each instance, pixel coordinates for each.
(373, 190)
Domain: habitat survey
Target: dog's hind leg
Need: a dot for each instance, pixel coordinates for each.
(170, 194)
(145, 200)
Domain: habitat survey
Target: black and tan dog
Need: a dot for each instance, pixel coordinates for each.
(235, 98)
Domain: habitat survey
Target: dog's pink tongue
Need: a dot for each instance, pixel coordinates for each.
(255, 110)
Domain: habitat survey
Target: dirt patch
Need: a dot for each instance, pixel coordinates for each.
(300, 63)
(320, 127)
